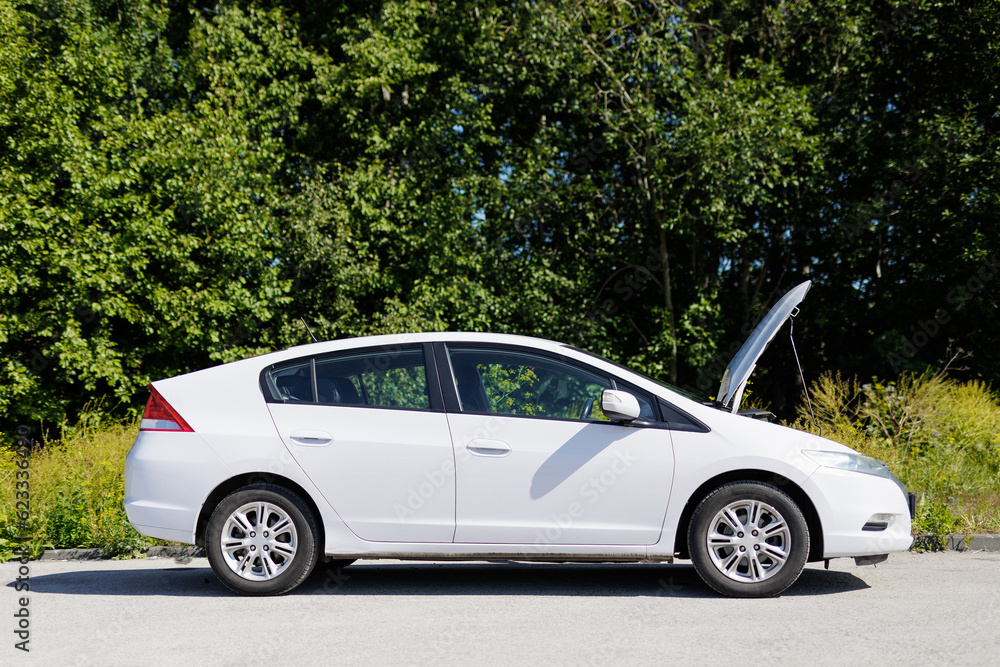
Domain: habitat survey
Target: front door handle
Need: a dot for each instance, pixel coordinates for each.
(311, 438)
(483, 447)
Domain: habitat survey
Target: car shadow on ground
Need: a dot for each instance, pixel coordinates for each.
(395, 578)
(521, 578)
(176, 581)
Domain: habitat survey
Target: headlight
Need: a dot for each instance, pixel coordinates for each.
(848, 461)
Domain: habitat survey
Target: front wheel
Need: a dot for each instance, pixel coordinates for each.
(262, 540)
(748, 539)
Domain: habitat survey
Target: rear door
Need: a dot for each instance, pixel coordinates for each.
(369, 429)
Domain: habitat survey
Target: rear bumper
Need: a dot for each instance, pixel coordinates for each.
(168, 475)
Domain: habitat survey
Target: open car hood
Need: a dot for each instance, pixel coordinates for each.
(734, 380)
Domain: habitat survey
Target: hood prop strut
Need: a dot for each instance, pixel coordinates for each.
(805, 388)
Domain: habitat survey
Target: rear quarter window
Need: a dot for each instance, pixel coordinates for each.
(382, 379)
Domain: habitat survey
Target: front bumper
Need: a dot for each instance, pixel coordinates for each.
(847, 501)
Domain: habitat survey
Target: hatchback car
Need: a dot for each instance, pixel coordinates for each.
(473, 446)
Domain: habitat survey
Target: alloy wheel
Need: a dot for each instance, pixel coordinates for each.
(748, 541)
(259, 541)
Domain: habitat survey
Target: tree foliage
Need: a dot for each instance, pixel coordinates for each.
(183, 185)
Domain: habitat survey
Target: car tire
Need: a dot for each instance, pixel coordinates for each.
(262, 540)
(748, 539)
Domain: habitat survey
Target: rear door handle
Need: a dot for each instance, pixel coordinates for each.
(311, 438)
(488, 447)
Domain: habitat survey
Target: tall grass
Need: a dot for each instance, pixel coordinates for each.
(940, 437)
(77, 490)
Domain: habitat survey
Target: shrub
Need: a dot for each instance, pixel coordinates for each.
(939, 436)
(77, 489)
(67, 524)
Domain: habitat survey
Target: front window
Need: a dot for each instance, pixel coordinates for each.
(523, 384)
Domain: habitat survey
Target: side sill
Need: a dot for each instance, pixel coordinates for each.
(507, 555)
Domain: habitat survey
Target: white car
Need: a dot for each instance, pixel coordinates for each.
(473, 446)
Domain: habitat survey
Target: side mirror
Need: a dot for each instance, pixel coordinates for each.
(619, 405)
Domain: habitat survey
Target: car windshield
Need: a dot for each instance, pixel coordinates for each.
(667, 385)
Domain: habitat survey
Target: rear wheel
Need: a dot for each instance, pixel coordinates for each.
(262, 540)
(748, 539)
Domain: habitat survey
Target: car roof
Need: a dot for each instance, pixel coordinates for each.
(393, 340)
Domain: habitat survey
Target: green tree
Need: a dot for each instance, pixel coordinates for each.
(138, 209)
(186, 185)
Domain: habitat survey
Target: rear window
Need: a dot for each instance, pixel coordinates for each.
(382, 379)
(387, 380)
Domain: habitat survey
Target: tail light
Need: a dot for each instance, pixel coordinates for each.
(160, 416)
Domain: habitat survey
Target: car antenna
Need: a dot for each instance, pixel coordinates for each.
(805, 388)
(314, 337)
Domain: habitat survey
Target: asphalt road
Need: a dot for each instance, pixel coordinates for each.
(915, 609)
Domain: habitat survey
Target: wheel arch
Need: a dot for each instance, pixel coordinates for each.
(779, 481)
(238, 482)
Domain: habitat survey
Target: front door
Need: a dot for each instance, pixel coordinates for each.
(538, 463)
